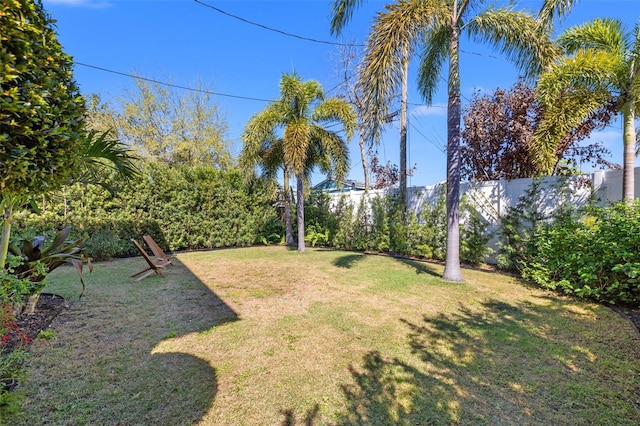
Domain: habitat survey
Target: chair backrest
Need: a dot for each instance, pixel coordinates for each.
(144, 254)
(155, 248)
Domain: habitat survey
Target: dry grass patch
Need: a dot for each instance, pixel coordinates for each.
(269, 336)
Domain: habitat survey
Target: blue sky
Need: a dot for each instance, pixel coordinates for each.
(186, 42)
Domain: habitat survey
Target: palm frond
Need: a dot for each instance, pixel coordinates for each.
(634, 60)
(334, 150)
(600, 34)
(432, 59)
(393, 37)
(552, 9)
(590, 69)
(296, 143)
(100, 154)
(341, 13)
(518, 35)
(561, 117)
(334, 109)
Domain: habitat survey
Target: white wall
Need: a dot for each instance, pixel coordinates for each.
(493, 198)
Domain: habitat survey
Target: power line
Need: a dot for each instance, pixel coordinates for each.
(333, 43)
(164, 83)
(427, 139)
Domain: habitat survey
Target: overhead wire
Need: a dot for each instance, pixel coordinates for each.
(288, 34)
(164, 83)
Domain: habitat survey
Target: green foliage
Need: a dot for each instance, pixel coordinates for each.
(40, 108)
(474, 238)
(11, 373)
(377, 224)
(47, 335)
(180, 207)
(166, 125)
(519, 225)
(592, 253)
(37, 261)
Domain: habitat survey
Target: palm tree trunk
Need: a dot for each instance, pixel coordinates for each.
(287, 209)
(629, 139)
(300, 211)
(365, 165)
(452, 271)
(403, 133)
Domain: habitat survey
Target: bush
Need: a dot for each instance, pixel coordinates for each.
(593, 253)
(181, 208)
(377, 224)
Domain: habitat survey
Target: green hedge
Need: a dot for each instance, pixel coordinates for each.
(592, 253)
(181, 208)
(381, 228)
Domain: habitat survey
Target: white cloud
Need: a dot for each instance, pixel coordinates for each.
(430, 110)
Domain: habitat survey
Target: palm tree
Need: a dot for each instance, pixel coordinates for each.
(436, 25)
(267, 154)
(300, 114)
(602, 60)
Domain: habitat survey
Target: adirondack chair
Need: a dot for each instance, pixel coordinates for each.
(156, 250)
(154, 267)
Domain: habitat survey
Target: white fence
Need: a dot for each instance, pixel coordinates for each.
(493, 199)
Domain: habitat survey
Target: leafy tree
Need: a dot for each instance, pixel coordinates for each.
(299, 115)
(41, 110)
(498, 129)
(602, 60)
(165, 125)
(436, 26)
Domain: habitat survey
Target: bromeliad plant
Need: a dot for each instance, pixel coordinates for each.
(37, 262)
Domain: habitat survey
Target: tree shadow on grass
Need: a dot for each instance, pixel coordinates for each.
(420, 267)
(310, 417)
(102, 368)
(495, 363)
(348, 260)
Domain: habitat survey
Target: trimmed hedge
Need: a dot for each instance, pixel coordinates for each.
(181, 208)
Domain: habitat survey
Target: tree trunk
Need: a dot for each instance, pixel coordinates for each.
(629, 139)
(365, 165)
(6, 230)
(32, 301)
(403, 133)
(287, 209)
(452, 271)
(300, 211)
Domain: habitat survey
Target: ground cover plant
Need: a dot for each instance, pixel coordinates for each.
(265, 335)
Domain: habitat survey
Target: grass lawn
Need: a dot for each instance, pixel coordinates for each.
(268, 336)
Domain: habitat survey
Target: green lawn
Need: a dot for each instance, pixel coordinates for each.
(268, 336)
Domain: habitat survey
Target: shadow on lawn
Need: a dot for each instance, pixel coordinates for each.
(490, 365)
(102, 369)
(348, 260)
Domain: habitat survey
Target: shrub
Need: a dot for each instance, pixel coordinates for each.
(180, 207)
(592, 253)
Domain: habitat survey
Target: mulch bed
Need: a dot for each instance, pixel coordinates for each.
(29, 325)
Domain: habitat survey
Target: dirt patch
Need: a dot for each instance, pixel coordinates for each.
(29, 325)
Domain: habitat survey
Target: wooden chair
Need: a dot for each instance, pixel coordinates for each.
(156, 250)
(154, 267)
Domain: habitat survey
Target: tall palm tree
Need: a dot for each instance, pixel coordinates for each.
(436, 27)
(602, 60)
(299, 116)
(267, 154)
